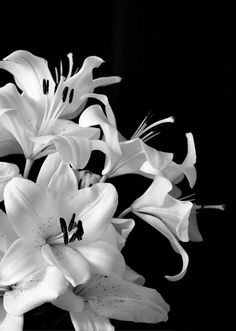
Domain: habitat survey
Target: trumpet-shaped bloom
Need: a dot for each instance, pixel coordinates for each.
(7, 172)
(63, 223)
(124, 156)
(92, 304)
(45, 103)
(167, 214)
(24, 282)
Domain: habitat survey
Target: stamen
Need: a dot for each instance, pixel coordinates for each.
(71, 95)
(64, 230)
(64, 93)
(73, 237)
(219, 207)
(72, 223)
(80, 231)
(45, 86)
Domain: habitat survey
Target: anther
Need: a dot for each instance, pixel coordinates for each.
(64, 230)
(45, 86)
(72, 223)
(80, 231)
(64, 93)
(71, 95)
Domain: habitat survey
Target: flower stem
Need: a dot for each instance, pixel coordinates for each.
(28, 165)
(125, 212)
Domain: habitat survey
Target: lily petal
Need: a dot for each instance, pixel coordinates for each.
(56, 176)
(90, 320)
(174, 171)
(7, 234)
(137, 157)
(103, 258)
(132, 276)
(82, 83)
(94, 115)
(14, 124)
(41, 286)
(74, 150)
(29, 71)
(19, 261)
(194, 233)
(122, 300)
(7, 172)
(8, 143)
(94, 206)
(69, 301)
(68, 128)
(31, 210)
(72, 264)
(157, 202)
(161, 227)
(10, 322)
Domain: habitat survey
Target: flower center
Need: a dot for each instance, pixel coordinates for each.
(73, 231)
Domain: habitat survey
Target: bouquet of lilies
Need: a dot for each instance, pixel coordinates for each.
(61, 240)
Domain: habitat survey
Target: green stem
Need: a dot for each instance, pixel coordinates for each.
(125, 212)
(28, 165)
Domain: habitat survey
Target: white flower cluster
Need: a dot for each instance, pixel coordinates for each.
(59, 239)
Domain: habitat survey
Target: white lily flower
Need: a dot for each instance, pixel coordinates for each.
(63, 223)
(44, 104)
(7, 172)
(25, 280)
(167, 214)
(125, 156)
(92, 304)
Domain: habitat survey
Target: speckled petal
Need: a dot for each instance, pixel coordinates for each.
(39, 287)
(31, 210)
(122, 300)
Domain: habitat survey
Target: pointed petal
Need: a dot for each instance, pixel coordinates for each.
(103, 258)
(69, 128)
(29, 71)
(19, 261)
(7, 172)
(104, 81)
(69, 301)
(11, 322)
(56, 176)
(74, 150)
(138, 157)
(132, 276)
(31, 210)
(187, 168)
(68, 261)
(8, 143)
(109, 112)
(90, 320)
(157, 202)
(7, 234)
(42, 286)
(161, 227)
(94, 115)
(94, 206)
(122, 300)
(11, 121)
(82, 83)
(27, 110)
(194, 233)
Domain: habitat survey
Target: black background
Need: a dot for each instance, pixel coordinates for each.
(174, 60)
